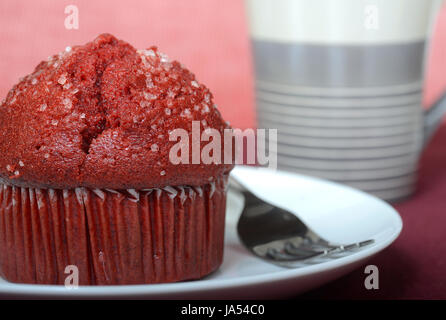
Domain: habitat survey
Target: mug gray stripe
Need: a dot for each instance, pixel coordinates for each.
(347, 164)
(371, 184)
(340, 146)
(402, 169)
(354, 153)
(322, 93)
(329, 113)
(379, 102)
(360, 138)
(342, 132)
(345, 143)
(364, 147)
(358, 176)
(341, 92)
(395, 194)
(381, 184)
(274, 123)
(334, 122)
(333, 65)
(356, 107)
(413, 164)
(343, 157)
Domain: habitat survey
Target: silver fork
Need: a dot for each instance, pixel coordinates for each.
(280, 237)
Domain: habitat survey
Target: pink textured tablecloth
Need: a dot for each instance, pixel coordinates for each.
(210, 37)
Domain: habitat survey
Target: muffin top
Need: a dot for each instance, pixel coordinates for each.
(99, 116)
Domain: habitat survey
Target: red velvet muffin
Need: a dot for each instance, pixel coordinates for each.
(85, 175)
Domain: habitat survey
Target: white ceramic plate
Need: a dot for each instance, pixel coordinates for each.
(338, 213)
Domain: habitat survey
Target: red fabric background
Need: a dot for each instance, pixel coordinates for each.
(210, 37)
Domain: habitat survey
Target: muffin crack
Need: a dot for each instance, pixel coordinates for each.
(100, 115)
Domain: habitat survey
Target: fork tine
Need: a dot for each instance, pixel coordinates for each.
(325, 245)
(301, 254)
(290, 254)
(318, 246)
(365, 243)
(292, 251)
(342, 250)
(279, 256)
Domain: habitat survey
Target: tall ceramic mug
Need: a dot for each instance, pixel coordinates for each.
(341, 80)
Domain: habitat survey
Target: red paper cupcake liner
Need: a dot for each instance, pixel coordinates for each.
(111, 236)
